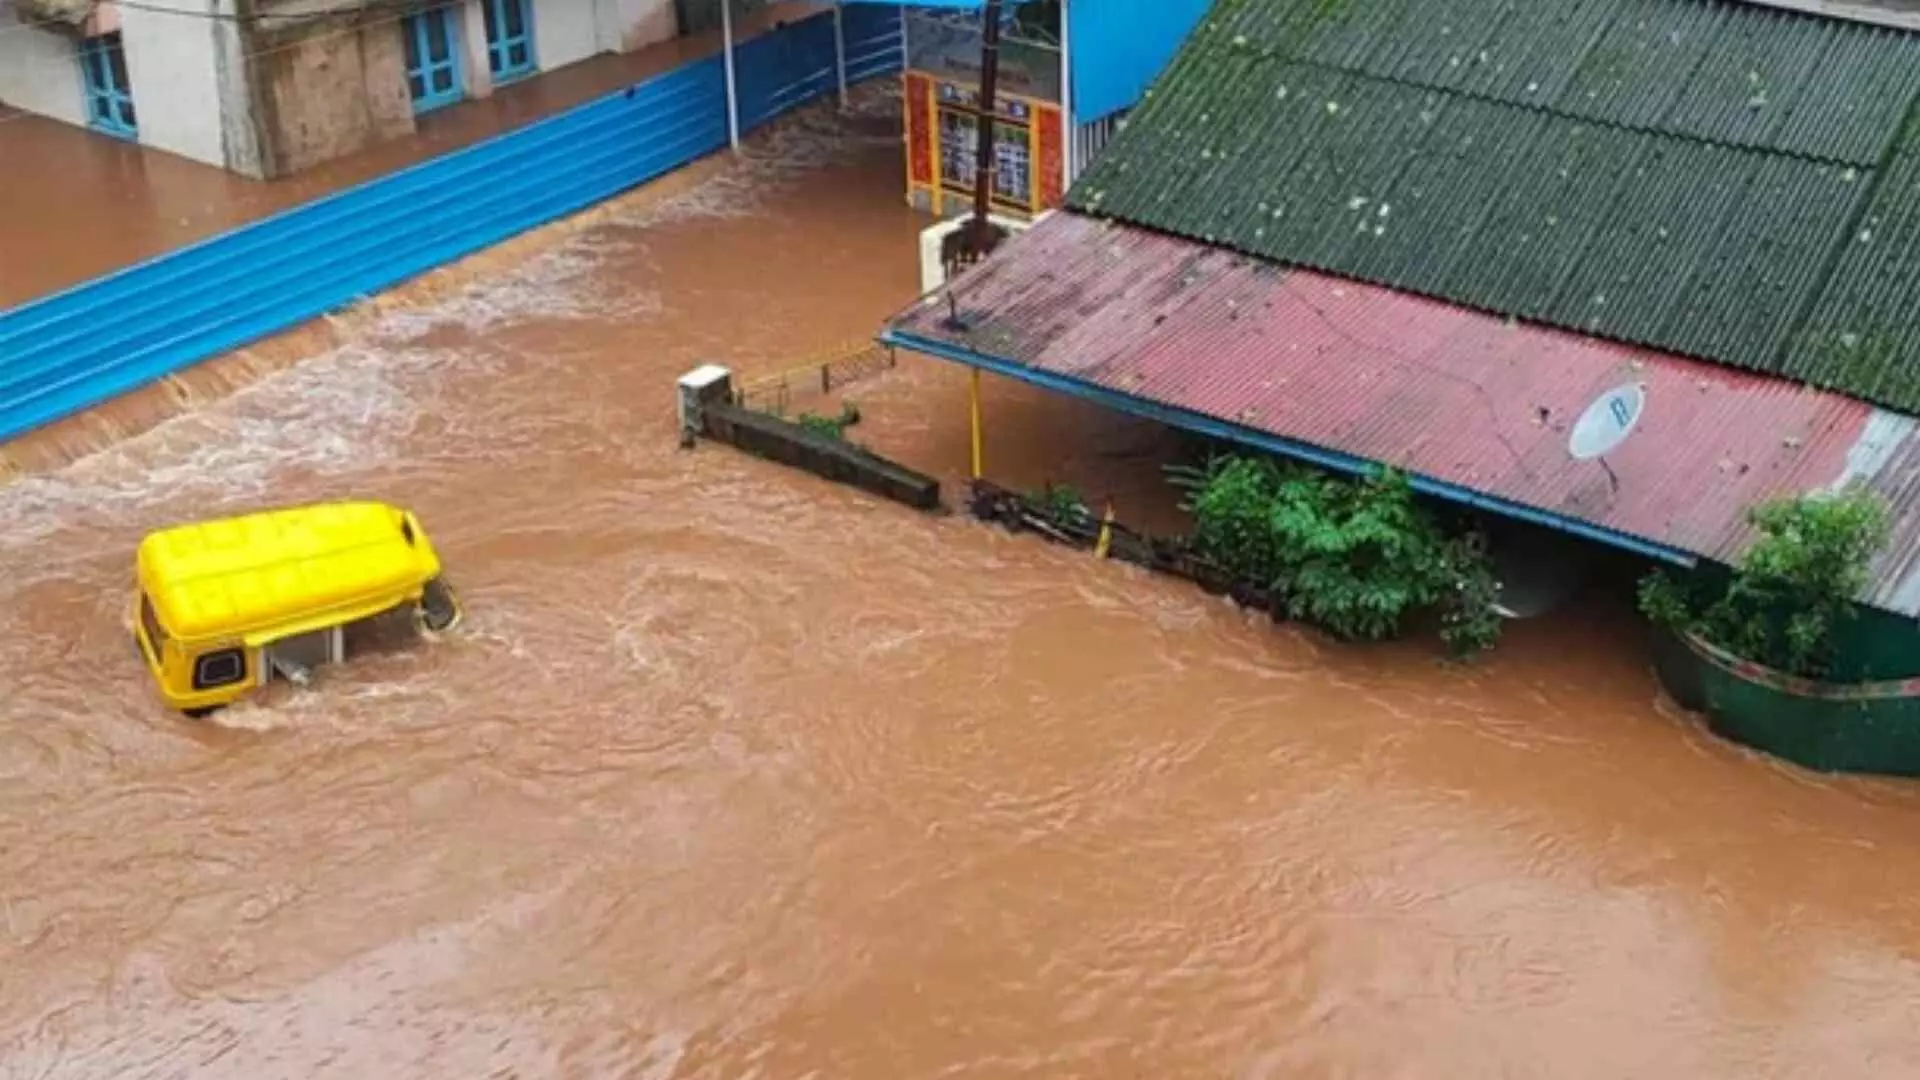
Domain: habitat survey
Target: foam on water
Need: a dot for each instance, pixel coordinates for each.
(808, 141)
(345, 408)
(556, 284)
(335, 412)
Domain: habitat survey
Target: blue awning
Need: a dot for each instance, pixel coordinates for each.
(961, 5)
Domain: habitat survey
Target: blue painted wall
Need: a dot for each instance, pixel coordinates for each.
(67, 352)
(1121, 46)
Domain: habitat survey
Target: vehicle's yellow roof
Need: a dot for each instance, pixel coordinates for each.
(240, 574)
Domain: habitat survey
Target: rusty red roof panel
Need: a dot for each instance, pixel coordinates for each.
(1457, 396)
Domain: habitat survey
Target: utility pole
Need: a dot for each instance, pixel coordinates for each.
(984, 236)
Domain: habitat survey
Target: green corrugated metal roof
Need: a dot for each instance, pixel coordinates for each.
(1720, 179)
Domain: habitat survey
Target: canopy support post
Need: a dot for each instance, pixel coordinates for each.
(973, 412)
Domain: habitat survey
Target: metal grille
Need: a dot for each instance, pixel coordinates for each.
(1090, 139)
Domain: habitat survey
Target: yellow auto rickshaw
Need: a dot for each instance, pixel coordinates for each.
(226, 606)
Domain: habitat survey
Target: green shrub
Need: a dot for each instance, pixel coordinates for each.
(1061, 502)
(833, 427)
(1354, 557)
(1793, 589)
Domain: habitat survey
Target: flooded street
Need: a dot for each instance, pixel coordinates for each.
(733, 773)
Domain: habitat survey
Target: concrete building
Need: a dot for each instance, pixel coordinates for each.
(269, 87)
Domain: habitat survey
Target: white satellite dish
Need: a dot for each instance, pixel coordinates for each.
(1607, 422)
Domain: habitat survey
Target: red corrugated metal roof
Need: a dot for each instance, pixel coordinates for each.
(1458, 396)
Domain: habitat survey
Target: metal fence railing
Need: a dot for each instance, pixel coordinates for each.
(816, 378)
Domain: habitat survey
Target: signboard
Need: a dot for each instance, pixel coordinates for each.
(1607, 422)
(949, 49)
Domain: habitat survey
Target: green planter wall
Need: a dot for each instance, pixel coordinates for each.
(1866, 727)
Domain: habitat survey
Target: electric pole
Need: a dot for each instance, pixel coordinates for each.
(984, 235)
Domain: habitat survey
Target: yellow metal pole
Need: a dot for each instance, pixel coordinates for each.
(973, 408)
(1105, 543)
(1034, 186)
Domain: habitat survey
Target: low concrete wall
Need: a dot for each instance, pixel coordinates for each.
(1172, 556)
(833, 459)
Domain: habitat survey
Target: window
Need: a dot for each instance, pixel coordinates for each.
(509, 39)
(1011, 178)
(433, 62)
(156, 635)
(217, 669)
(1013, 169)
(103, 70)
(956, 149)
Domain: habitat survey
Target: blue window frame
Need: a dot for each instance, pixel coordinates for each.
(103, 70)
(433, 60)
(509, 39)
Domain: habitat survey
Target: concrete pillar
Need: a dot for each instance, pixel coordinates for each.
(473, 49)
(705, 385)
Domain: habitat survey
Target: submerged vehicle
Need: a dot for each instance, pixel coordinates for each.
(226, 606)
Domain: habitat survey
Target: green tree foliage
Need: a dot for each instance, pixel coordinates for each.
(1355, 557)
(1793, 590)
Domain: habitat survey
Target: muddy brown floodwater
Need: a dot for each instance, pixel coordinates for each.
(737, 774)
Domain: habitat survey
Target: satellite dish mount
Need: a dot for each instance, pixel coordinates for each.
(1605, 424)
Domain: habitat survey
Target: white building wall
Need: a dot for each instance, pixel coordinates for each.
(564, 32)
(40, 70)
(569, 31)
(626, 25)
(176, 87)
